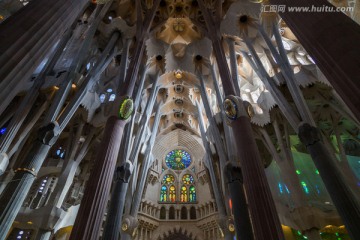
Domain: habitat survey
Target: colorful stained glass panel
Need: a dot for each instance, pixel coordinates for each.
(183, 196)
(178, 159)
(188, 179)
(163, 194)
(168, 179)
(192, 194)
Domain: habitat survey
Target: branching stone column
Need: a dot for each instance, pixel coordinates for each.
(27, 36)
(26, 104)
(343, 198)
(90, 216)
(16, 191)
(265, 219)
(239, 208)
(338, 60)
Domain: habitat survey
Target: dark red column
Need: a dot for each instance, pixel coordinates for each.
(91, 213)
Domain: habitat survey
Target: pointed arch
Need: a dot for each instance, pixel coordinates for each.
(192, 194)
(162, 213)
(183, 194)
(172, 193)
(163, 194)
(172, 213)
(192, 213)
(183, 213)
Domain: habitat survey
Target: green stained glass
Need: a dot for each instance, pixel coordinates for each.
(192, 194)
(178, 159)
(168, 179)
(188, 179)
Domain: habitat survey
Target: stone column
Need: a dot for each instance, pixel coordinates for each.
(90, 216)
(239, 207)
(115, 212)
(233, 65)
(338, 60)
(265, 220)
(27, 36)
(342, 197)
(15, 192)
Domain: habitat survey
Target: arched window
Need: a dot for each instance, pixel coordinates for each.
(183, 213)
(178, 159)
(163, 213)
(60, 153)
(163, 194)
(167, 192)
(172, 213)
(192, 213)
(192, 194)
(172, 193)
(187, 180)
(183, 194)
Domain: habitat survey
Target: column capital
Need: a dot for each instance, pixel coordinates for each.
(124, 172)
(129, 224)
(308, 134)
(233, 173)
(235, 107)
(48, 133)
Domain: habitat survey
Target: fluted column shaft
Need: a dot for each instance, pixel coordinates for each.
(239, 206)
(341, 195)
(113, 221)
(27, 36)
(15, 192)
(338, 60)
(265, 220)
(90, 216)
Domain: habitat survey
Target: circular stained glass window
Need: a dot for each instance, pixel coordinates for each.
(168, 179)
(178, 159)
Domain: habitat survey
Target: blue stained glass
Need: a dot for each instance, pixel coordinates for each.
(287, 189)
(178, 159)
(163, 194)
(305, 187)
(280, 188)
(2, 131)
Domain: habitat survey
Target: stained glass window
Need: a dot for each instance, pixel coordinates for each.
(178, 159)
(188, 179)
(192, 194)
(172, 194)
(183, 195)
(168, 179)
(163, 194)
